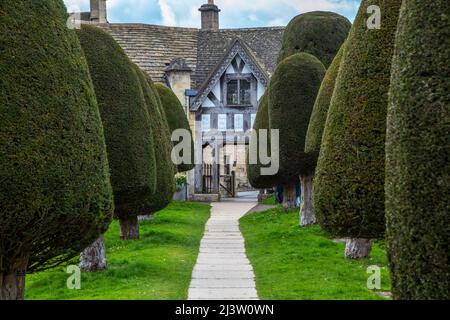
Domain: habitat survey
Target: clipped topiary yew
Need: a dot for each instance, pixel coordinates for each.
(55, 192)
(418, 154)
(293, 91)
(319, 33)
(349, 182)
(313, 139)
(165, 169)
(254, 174)
(176, 119)
(320, 111)
(128, 132)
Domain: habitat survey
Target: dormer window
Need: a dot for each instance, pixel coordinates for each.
(239, 90)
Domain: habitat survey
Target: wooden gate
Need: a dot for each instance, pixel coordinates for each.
(228, 183)
(207, 178)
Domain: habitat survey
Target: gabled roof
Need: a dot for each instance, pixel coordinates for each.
(264, 43)
(237, 47)
(153, 47)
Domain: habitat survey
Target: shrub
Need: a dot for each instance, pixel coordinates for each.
(319, 114)
(165, 169)
(418, 154)
(128, 131)
(318, 33)
(55, 192)
(293, 91)
(256, 179)
(176, 119)
(349, 182)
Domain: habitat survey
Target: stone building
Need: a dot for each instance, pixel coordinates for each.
(219, 75)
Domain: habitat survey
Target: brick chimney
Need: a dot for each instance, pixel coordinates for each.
(98, 11)
(210, 16)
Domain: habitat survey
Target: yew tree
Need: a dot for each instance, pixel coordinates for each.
(126, 121)
(319, 33)
(293, 91)
(55, 192)
(313, 140)
(349, 183)
(418, 154)
(177, 120)
(165, 168)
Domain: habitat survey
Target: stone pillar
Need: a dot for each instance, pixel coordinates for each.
(98, 11)
(178, 74)
(210, 16)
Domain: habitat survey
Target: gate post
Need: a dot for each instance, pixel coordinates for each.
(216, 169)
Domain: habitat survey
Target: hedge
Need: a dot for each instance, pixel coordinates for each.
(176, 118)
(319, 114)
(418, 154)
(255, 178)
(318, 33)
(293, 91)
(128, 132)
(349, 183)
(165, 169)
(55, 192)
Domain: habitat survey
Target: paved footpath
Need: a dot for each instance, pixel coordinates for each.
(223, 271)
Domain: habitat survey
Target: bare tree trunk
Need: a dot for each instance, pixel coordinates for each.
(358, 248)
(261, 196)
(289, 197)
(93, 258)
(129, 228)
(307, 216)
(12, 285)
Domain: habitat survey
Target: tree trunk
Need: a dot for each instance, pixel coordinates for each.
(93, 258)
(358, 248)
(12, 285)
(289, 197)
(129, 228)
(307, 216)
(261, 196)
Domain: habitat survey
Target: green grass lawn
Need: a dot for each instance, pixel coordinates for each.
(293, 263)
(158, 266)
(269, 201)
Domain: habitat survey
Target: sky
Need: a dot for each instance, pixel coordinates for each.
(235, 13)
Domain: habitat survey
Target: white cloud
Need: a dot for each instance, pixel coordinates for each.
(235, 13)
(168, 16)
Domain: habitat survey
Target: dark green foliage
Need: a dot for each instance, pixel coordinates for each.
(320, 110)
(418, 154)
(55, 193)
(128, 132)
(176, 118)
(293, 91)
(165, 169)
(261, 122)
(318, 33)
(349, 183)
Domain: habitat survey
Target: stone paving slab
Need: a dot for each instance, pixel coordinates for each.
(223, 293)
(221, 283)
(223, 271)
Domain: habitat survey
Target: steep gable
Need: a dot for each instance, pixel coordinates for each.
(236, 59)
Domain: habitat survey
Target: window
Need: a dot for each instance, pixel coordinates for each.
(239, 92)
(206, 122)
(245, 93)
(222, 122)
(239, 122)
